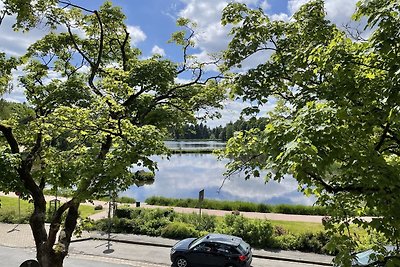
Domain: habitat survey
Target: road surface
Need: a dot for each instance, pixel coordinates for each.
(100, 254)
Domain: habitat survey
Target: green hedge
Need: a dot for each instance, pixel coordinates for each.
(238, 205)
(167, 223)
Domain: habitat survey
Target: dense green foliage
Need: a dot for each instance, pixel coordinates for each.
(97, 109)
(167, 223)
(237, 205)
(336, 123)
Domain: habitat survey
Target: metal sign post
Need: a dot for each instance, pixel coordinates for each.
(201, 198)
(19, 205)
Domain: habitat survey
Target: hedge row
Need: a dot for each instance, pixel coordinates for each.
(238, 205)
(167, 223)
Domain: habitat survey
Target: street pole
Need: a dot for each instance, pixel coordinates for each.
(201, 198)
(109, 223)
(19, 207)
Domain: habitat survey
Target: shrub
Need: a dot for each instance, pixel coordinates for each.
(179, 230)
(98, 207)
(167, 223)
(300, 209)
(123, 212)
(259, 233)
(310, 242)
(129, 200)
(279, 230)
(204, 222)
(11, 216)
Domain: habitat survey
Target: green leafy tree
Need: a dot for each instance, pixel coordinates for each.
(336, 124)
(96, 110)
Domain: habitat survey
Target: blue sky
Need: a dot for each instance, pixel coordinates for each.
(152, 22)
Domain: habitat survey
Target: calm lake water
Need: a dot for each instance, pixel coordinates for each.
(192, 145)
(184, 175)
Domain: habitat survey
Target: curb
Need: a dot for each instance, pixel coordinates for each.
(255, 255)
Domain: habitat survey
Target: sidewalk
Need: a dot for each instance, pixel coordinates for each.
(20, 236)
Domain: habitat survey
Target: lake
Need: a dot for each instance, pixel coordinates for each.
(184, 175)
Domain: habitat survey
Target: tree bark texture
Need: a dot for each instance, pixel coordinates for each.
(48, 252)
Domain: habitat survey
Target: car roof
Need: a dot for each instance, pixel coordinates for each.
(225, 239)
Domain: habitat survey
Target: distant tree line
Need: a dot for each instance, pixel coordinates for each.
(223, 133)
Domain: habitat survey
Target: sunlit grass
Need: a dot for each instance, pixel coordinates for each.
(9, 205)
(299, 227)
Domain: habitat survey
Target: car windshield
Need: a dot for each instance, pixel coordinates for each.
(196, 242)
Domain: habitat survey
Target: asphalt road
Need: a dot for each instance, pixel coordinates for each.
(151, 255)
(102, 254)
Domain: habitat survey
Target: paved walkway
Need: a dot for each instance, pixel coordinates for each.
(12, 235)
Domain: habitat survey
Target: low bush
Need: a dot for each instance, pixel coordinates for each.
(300, 209)
(11, 216)
(203, 223)
(123, 212)
(98, 207)
(129, 200)
(259, 233)
(179, 230)
(167, 223)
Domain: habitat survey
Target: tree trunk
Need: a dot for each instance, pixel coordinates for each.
(49, 253)
(51, 259)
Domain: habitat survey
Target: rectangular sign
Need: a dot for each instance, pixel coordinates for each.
(201, 195)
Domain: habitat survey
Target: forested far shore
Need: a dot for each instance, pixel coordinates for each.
(203, 132)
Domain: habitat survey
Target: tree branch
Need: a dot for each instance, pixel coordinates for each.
(123, 54)
(347, 188)
(56, 222)
(383, 137)
(8, 134)
(67, 4)
(28, 162)
(93, 65)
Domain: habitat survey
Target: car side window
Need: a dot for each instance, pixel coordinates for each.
(223, 248)
(205, 247)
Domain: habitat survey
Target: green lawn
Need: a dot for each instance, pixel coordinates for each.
(293, 227)
(299, 227)
(9, 210)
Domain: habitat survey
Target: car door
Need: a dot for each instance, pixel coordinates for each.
(222, 255)
(202, 255)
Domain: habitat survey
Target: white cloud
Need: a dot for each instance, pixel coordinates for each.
(211, 36)
(280, 16)
(265, 5)
(136, 34)
(338, 11)
(158, 50)
(16, 43)
(294, 5)
(232, 109)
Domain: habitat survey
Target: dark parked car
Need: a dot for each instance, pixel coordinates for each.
(212, 250)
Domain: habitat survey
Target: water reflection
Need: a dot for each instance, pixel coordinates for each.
(191, 145)
(183, 176)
